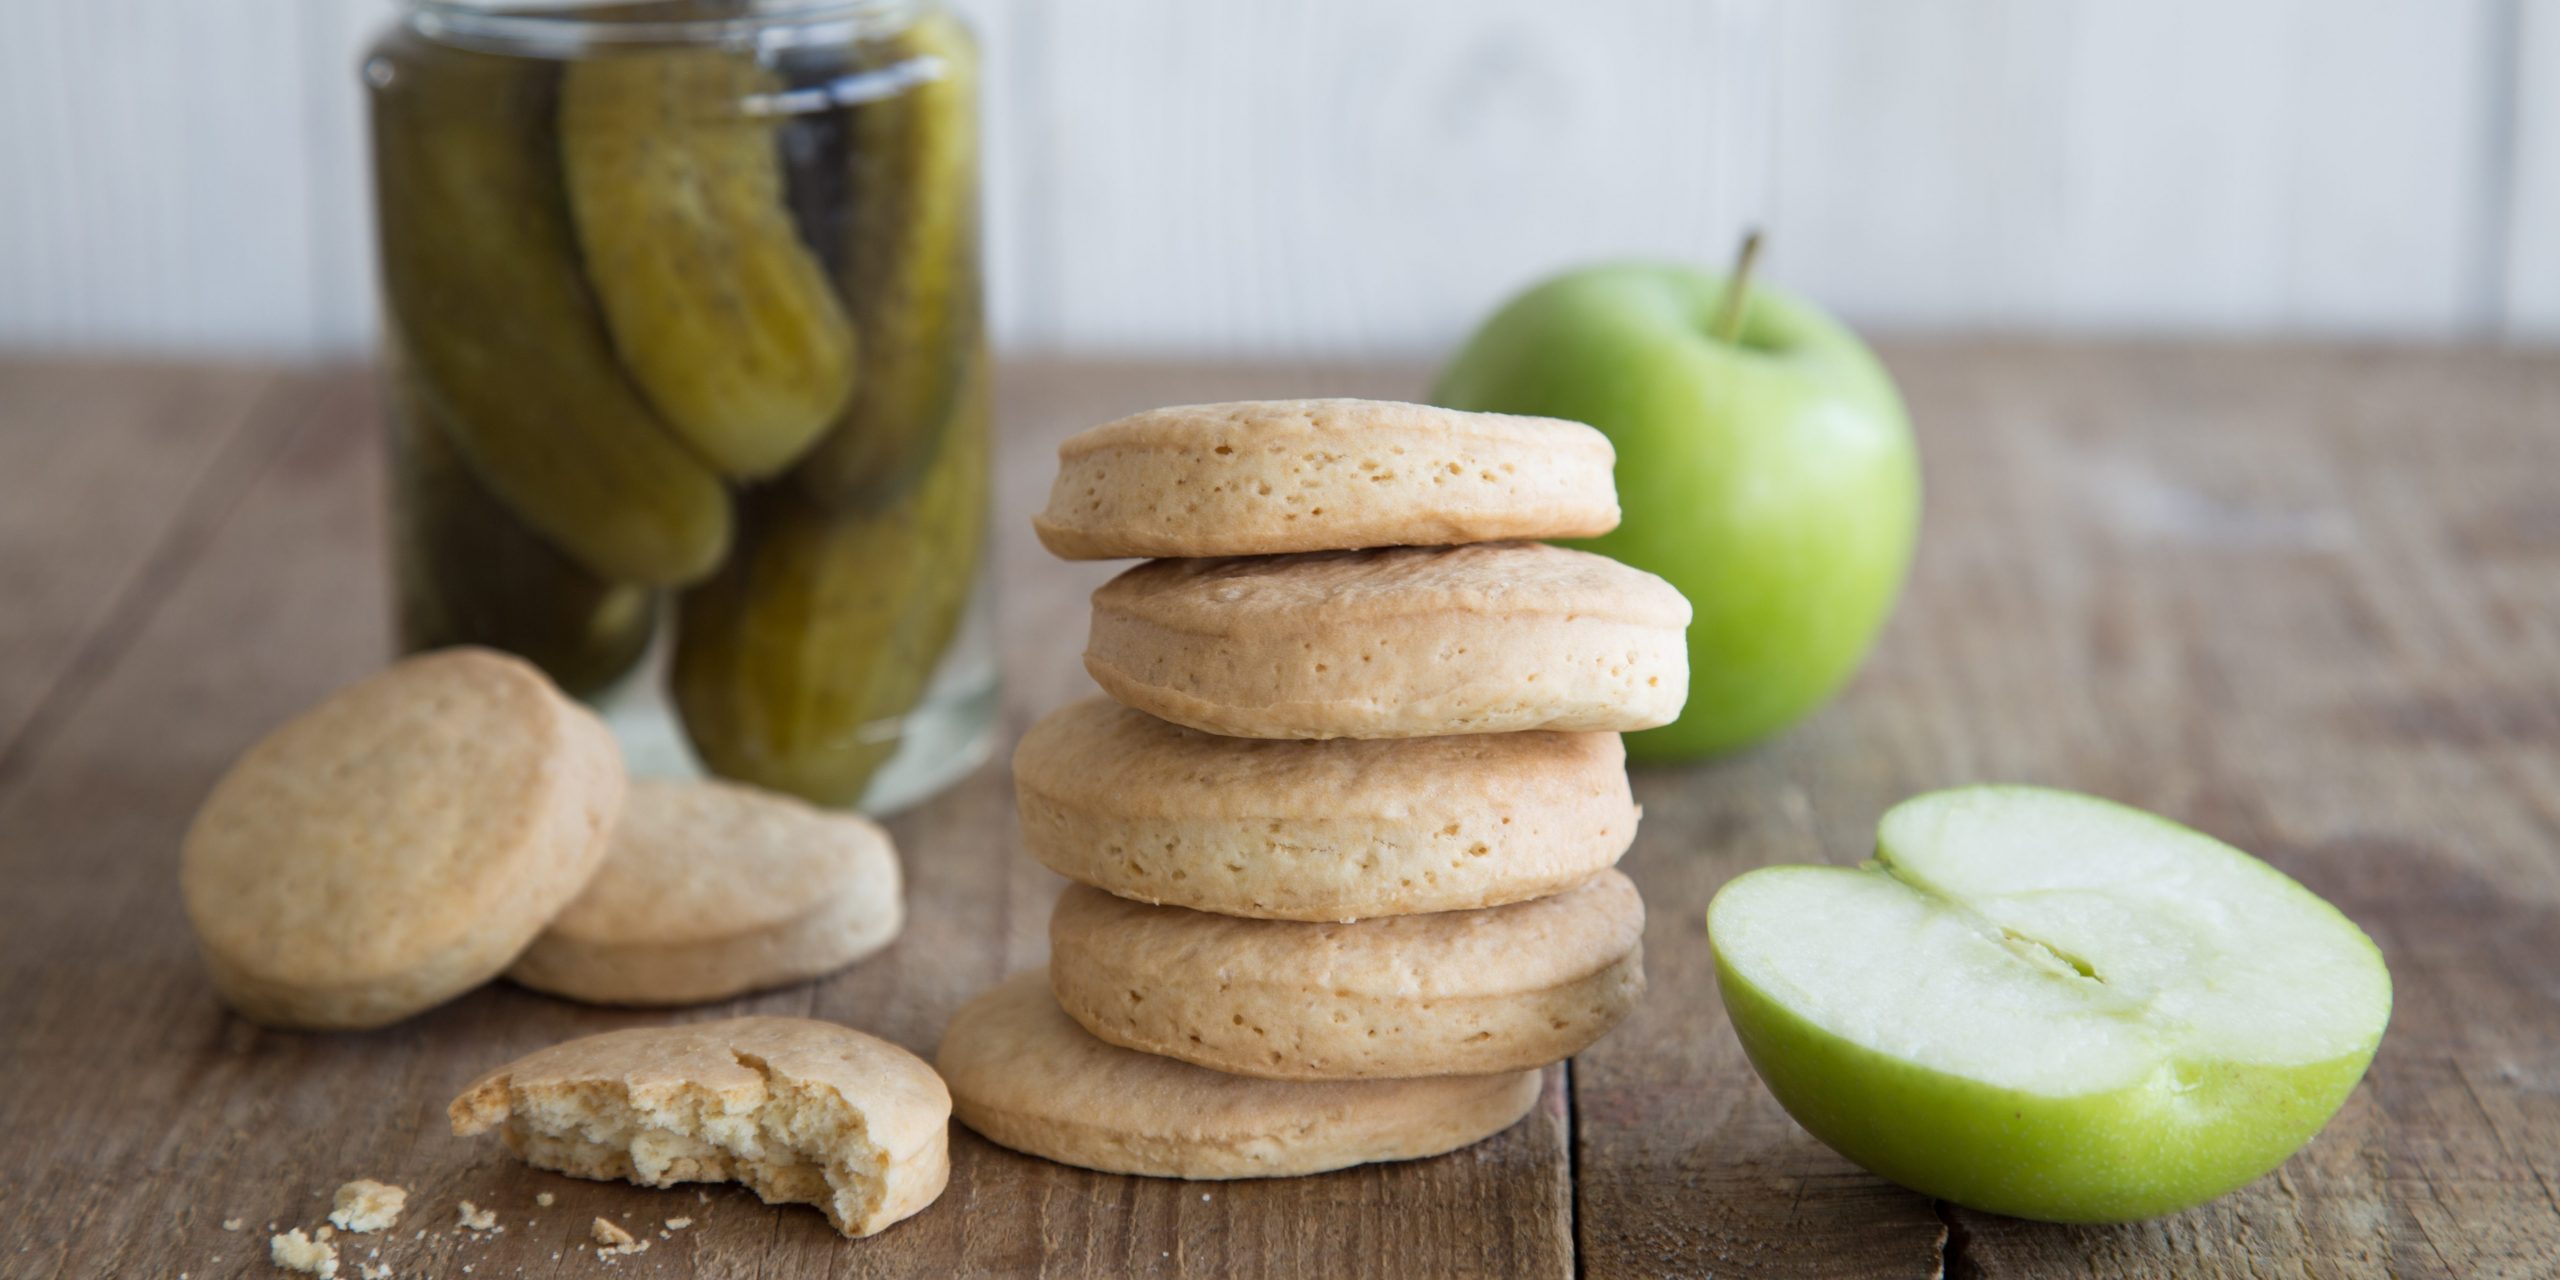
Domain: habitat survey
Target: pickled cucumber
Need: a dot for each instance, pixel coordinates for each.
(471, 573)
(912, 261)
(794, 664)
(721, 314)
(483, 283)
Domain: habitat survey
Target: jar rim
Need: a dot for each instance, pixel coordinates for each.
(575, 24)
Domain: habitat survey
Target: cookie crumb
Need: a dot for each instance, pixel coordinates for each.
(295, 1251)
(233, 1224)
(611, 1239)
(475, 1218)
(326, 1232)
(678, 1224)
(545, 1199)
(374, 1272)
(365, 1205)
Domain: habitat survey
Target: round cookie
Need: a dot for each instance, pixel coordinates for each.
(1401, 643)
(710, 889)
(1025, 1076)
(400, 843)
(1262, 477)
(1335, 830)
(800, 1111)
(1457, 993)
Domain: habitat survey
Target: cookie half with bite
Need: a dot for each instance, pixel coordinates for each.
(799, 1111)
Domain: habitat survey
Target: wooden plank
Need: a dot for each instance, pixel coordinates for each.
(108, 468)
(1343, 178)
(166, 1116)
(2167, 166)
(158, 194)
(2364, 670)
(336, 152)
(1348, 179)
(2302, 599)
(2530, 289)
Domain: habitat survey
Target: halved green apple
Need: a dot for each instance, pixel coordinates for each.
(2048, 1005)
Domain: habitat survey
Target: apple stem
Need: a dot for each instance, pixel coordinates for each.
(1737, 288)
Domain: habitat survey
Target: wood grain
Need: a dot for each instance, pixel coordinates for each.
(118, 468)
(166, 1116)
(2307, 599)
(2034, 167)
(2530, 291)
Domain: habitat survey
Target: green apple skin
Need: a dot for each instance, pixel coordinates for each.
(1773, 480)
(2136, 1153)
(2196, 1125)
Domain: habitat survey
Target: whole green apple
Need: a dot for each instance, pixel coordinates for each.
(1771, 476)
(2046, 1005)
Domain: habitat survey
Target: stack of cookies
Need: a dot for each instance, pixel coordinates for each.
(1343, 832)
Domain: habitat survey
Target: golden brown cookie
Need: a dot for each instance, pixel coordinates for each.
(1457, 993)
(1335, 830)
(400, 843)
(710, 889)
(800, 1111)
(1260, 477)
(1404, 643)
(1025, 1076)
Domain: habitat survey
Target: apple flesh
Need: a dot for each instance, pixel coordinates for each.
(2051, 1006)
(1771, 478)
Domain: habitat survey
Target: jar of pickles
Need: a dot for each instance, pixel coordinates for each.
(688, 390)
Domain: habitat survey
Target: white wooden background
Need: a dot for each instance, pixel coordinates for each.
(1254, 177)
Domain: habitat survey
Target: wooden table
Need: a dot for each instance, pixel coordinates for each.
(2305, 599)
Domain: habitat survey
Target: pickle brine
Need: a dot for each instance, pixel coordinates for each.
(488, 298)
(911, 251)
(469, 572)
(725, 319)
(794, 666)
(686, 343)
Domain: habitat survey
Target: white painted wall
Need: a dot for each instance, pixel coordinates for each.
(1327, 177)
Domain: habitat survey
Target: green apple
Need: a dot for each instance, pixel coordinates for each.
(1769, 475)
(2047, 1005)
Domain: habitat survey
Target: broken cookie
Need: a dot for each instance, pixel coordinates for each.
(798, 1110)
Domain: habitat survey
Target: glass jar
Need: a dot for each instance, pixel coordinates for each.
(688, 391)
